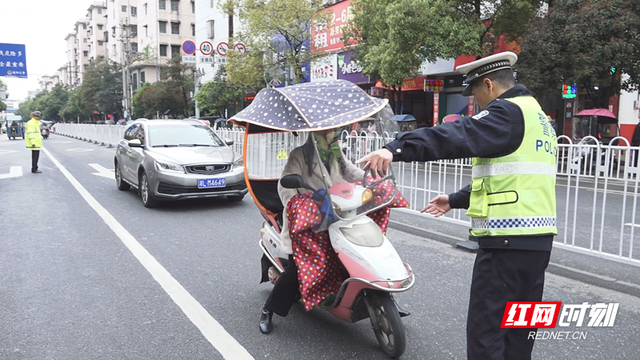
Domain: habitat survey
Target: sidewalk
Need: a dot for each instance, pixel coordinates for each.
(589, 269)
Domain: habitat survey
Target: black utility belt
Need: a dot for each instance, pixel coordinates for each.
(534, 243)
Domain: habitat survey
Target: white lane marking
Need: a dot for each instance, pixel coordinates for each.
(632, 224)
(221, 340)
(14, 171)
(79, 150)
(103, 171)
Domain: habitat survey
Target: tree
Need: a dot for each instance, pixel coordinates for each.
(102, 88)
(178, 77)
(216, 95)
(3, 106)
(277, 34)
(392, 38)
(579, 42)
(74, 108)
(53, 102)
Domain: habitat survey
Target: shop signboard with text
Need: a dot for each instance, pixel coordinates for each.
(324, 68)
(326, 36)
(351, 70)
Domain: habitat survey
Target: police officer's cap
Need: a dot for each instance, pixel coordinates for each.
(479, 68)
(36, 113)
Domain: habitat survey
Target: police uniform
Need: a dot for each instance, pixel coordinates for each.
(511, 203)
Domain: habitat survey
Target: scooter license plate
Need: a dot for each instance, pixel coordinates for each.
(212, 183)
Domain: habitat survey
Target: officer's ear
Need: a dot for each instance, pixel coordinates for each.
(488, 84)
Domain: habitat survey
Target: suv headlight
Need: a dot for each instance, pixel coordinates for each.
(169, 167)
(239, 162)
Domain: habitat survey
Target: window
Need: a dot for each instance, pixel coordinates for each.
(163, 27)
(162, 4)
(163, 50)
(175, 28)
(142, 79)
(134, 81)
(100, 42)
(193, 29)
(124, 8)
(134, 11)
(99, 11)
(175, 5)
(212, 3)
(146, 30)
(145, 8)
(85, 53)
(193, 7)
(84, 40)
(210, 29)
(84, 26)
(134, 30)
(100, 26)
(134, 47)
(175, 50)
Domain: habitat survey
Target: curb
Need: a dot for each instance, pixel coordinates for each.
(553, 268)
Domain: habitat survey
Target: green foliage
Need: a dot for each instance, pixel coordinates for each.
(216, 95)
(102, 88)
(170, 96)
(74, 107)
(275, 35)
(578, 42)
(3, 106)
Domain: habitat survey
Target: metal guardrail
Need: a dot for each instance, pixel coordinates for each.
(596, 192)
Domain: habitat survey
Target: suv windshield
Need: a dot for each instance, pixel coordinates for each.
(182, 135)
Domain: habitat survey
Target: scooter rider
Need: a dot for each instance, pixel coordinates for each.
(304, 162)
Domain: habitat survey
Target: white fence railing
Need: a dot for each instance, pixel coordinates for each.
(596, 192)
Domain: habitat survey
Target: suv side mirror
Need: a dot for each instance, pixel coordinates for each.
(135, 143)
(294, 181)
(228, 142)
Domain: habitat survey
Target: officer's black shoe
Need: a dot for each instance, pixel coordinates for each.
(36, 171)
(265, 321)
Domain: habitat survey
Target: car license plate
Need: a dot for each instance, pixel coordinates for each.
(211, 183)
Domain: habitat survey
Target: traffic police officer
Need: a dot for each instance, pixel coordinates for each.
(34, 140)
(511, 200)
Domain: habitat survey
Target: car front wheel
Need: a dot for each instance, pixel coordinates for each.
(145, 194)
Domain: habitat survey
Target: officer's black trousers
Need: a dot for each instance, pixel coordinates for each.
(500, 276)
(35, 155)
(286, 291)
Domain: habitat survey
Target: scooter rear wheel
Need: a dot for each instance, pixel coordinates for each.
(387, 324)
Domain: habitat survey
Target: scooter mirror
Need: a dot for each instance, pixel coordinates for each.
(293, 181)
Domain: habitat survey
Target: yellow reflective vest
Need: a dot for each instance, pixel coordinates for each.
(514, 195)
(32, 134)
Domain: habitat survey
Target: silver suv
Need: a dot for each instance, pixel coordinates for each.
(177, 159)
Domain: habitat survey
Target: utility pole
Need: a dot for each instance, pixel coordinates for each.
(126, 98)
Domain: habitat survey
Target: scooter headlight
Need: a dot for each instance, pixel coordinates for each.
(367, 195)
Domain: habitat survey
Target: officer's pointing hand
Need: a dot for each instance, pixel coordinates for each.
(378, 161)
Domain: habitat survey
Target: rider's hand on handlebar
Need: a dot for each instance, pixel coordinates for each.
(438, 206)
(378, 161)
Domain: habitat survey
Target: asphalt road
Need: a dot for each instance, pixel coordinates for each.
(92, 274)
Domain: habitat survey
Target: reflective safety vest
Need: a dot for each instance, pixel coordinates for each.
(33, 135)
(515, 194)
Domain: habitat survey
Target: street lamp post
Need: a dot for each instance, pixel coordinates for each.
(198, 74)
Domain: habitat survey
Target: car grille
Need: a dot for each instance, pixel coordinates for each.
(170, 189)
(212, 169)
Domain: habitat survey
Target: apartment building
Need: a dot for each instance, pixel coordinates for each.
(163, 25)
(82, 47)
(121, 33)
(96, 22)
(214, 26)
(72, 79)
(47, 82)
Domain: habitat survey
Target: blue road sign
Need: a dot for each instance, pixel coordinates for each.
(13, 60)
(189, 47)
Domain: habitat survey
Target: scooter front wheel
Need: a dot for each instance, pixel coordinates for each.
(387, 324)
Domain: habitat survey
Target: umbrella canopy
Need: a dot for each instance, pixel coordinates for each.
(404, 117)
(597, 112)
(310, 106)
